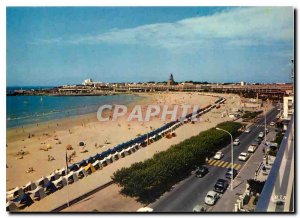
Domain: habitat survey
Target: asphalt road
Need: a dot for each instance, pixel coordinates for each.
(191, 191)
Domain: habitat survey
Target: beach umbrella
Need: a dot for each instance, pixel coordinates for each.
(81, 143)
(49, 146)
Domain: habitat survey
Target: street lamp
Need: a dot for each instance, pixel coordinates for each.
(231, 182)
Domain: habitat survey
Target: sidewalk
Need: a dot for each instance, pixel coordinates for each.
(227, 201)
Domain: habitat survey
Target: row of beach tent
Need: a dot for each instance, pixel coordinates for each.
(21, 197)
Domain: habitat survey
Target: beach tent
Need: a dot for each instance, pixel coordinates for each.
(62, 172)
(109, 158)
(116, 156)
(15, 193)
(42, 181)
(29, 187)
(127, 151)
(53, 176)
(132, 148)
(114, 150)
(122, 153)
(103, 162)
(38, 193)
(59, 183)
(98, 157)
(50, 188)
(82, 163)
(11, 206)
(137, 146)
(73, 167)
(71, 177)
(81, 173)
(81, 143)
(119, 148)
(97, 165)
(90, 169)
(90, 160)
(23, 201)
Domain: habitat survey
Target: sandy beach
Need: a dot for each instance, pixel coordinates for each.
(88, 129)
(72, 130)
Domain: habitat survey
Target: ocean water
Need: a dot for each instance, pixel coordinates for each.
(23, 110)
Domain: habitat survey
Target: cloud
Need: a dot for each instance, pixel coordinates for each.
(236, 27)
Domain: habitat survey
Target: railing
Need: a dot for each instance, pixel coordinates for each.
(278, 192)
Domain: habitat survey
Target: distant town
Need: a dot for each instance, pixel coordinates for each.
(275, 91)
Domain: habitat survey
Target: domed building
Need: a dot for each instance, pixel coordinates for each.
(171, 80)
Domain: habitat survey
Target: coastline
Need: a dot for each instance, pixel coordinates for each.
(21, 131)
(73, 130)
(62, 111)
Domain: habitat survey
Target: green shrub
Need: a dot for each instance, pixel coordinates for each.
(250, 115)
(149, 179)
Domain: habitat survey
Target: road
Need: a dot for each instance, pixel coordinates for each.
(191, 191)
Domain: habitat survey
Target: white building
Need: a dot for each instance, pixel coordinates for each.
(87, 82)
(288, 107)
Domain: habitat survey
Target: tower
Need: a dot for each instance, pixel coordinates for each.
(171, 80)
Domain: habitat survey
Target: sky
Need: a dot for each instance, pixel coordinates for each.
(65, 45)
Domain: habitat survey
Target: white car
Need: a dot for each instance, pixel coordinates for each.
(211, 198)
(272, 124)
(199, 208)
(236, 141)
(248, 130)
(243, 156)
(252, 148)
(261, 135)
(219, 155)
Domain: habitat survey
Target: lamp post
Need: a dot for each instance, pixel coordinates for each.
(231, 182)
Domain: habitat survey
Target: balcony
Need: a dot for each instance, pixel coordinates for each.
(278, 192)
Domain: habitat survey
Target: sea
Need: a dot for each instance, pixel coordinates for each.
(24, 110)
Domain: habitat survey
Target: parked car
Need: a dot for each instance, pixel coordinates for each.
(236, 141)
(199, 208)
(229, 173)
(219, 155)
(261, 134)
(244, 156)
(252, 148)
(258, 140)
(221, 185)
(201, 171)
(211, 198)
(248, 130)
(272, 124)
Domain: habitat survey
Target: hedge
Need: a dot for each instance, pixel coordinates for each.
(149, 179)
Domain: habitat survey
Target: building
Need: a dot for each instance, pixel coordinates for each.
(87, 82)
(171, 80)
(288, 107)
